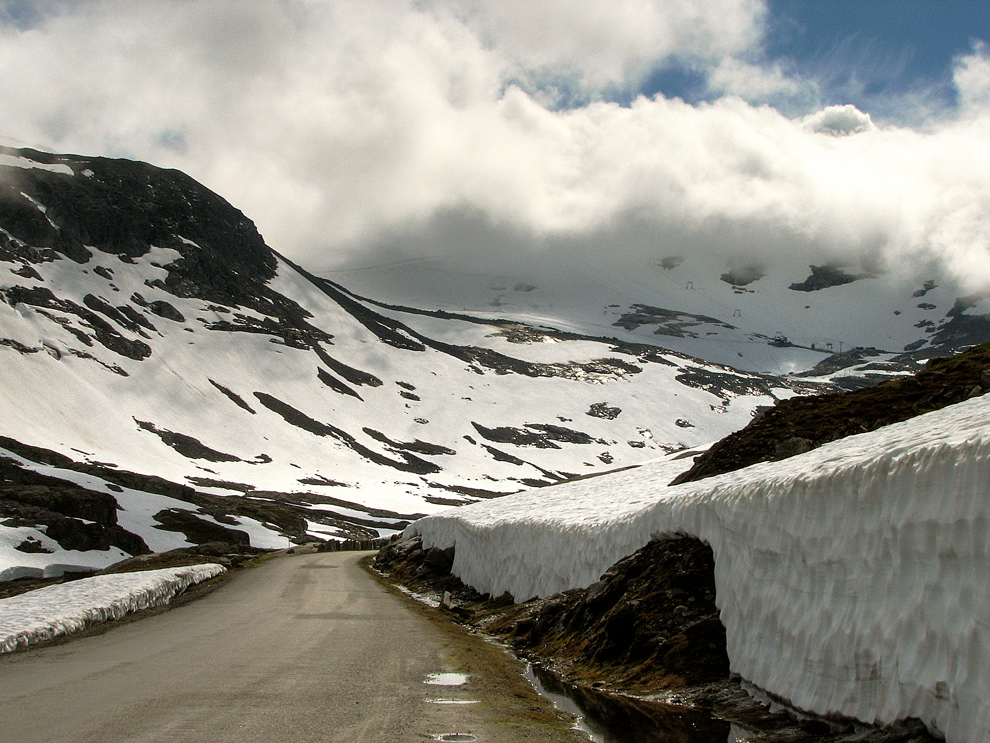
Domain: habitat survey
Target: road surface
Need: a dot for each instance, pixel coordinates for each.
(303, 648)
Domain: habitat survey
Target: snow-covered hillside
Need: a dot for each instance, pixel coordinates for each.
(851, 580)
(780, 318)
(147, 330)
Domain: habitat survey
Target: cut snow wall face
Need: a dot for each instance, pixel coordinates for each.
(864, 593)
(851, 580)
(54, 611)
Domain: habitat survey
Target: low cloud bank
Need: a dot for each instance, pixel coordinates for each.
(355, 132)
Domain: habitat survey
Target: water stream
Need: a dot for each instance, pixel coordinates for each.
(612, 718)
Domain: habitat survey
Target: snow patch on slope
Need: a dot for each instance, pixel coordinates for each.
(22, 162)
(851, 580)
(51, 560)
(59, 610)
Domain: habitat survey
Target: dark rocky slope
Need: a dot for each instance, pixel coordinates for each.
(124, 208)
(82, 518)
(800, 424)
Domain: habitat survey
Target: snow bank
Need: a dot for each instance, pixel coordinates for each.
(851, 580)
(59, 610)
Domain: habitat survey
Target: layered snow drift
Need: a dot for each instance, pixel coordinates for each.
(59, 610)
(851, 580)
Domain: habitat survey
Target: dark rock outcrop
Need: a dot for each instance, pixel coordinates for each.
(75, 518)
(823, 277)
(799, 424)
(124, 208)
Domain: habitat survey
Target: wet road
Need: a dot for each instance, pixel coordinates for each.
(303, 648)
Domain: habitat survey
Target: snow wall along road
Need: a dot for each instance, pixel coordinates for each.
(850, 580)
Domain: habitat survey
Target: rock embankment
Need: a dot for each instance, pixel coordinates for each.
(74, 517)
(649, 627)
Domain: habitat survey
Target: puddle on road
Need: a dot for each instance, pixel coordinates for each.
(447, 679)
(452, 701)
(457, 737)
(611, 718)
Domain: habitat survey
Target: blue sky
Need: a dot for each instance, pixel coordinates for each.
(869, 53)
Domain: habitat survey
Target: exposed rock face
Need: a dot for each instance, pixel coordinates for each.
(842, 360)
(198, 531)
(649, 622)
(187, 446)
(792, 447)
(76, 518)
(822, 277)
(64, 510)
(123, 208)
(669, 322)
(101, 330)
(959, 329)
(743, 275)
(603, 410)
(540, 435)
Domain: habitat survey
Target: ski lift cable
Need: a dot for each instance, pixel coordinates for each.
(756, 320)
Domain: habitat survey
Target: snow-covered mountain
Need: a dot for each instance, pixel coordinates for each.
(168, 379)
(156, 351)
(785, 317)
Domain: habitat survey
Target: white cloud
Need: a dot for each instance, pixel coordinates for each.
(394, 125)
(761, 82)
(972, 79)
(614, 43)
(839, 121)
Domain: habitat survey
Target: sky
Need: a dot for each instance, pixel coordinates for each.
(504, 133)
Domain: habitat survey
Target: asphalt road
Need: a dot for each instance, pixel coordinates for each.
(303, 648)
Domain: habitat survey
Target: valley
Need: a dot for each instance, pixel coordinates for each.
(169, 359)
(173, 383)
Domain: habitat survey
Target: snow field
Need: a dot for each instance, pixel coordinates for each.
(879, 311)
(851, 580)
(54, 611)
(174, 389)
(15, 161)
